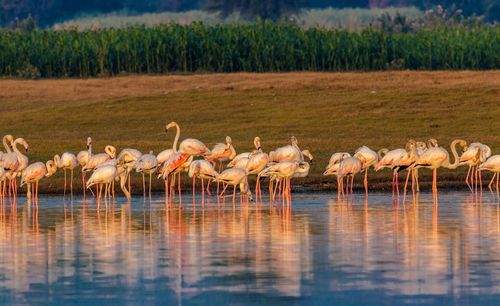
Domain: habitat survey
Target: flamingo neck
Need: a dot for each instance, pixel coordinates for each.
(7, 147)
(15, 149)
(176, 140)
(456, 160)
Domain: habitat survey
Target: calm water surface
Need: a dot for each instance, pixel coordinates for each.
(321, 252)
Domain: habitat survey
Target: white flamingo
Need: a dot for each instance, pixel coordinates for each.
(492, 164)
(368, 158)
(67, 161)
(437, 157)
(83, 158)
(104, 175)
(201, 169)
(234, 177)
(147, 164)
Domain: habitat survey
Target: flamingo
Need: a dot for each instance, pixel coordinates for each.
(284, 171)
(221, 153)
(201, 169)
(23, 159)
(172, 167)
(102, 175)
(405, 162)
(240, 160)
(183, 157)
(349, 166)
(290, 153)
(368, 158)
(9, 162)
(3, 177)
(234, 177)
(492, 164)
(127, 159)
(67, 161)
(474, 155)
(147, 164)
(34, 173)
(99, 159)
(337, 158)
(164, 155)
(334, 163)
(436, 157)
(83, 158)
(387, 161)
(255, 164)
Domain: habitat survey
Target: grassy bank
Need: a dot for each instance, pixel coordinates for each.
(327, 112)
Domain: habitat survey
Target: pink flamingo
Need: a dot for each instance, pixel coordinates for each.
(201, 169)
(474, 155)
(387, 161)
(33, 174)
(348, 167)
(437, 157)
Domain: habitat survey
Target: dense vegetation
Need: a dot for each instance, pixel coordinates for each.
(48, 12)
(263, 46)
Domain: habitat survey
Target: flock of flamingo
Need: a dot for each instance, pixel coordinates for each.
(279, 166)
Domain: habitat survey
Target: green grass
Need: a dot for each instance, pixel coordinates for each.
(326, 112)
(258, 47)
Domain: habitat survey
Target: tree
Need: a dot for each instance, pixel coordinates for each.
(251, 9)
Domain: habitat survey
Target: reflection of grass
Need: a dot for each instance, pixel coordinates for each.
(327, 112)
(345, 18)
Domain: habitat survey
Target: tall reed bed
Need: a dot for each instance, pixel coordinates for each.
(259, 47)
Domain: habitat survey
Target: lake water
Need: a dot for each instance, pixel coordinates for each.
(320, 252)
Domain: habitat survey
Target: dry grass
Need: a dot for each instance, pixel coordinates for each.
(328, 112)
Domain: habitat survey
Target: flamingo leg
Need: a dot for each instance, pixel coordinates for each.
(179, 187)
(234, 194)
(83, 185)
(71, 183)
(194, 185)
(491, 182)
(202, 193)
(64, 192)
(434, 178)
(397, 184)
(467, 178)
(352, 182)
(223, 190)
(36, 197)
(366, 181)
(498, 175)
(166, 190)
(480, 181)
(271, 194)
(143, 187)
(406, 185)
(416, 179)
(150, 174)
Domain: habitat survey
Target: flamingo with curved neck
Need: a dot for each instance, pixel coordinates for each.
(436, 157)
